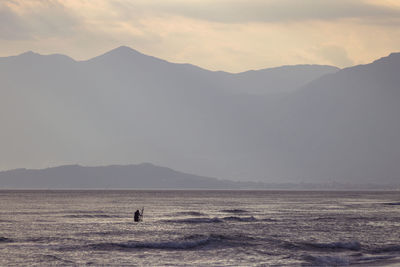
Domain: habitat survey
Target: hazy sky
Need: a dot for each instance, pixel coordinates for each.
(231, 35)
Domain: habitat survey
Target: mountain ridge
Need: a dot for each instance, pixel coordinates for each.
(341, 126)
(140, 176)
(144, 176)
(123, 50)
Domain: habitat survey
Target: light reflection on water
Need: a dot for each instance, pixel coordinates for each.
(199, 228)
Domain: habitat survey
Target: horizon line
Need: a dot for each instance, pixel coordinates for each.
(177, 63)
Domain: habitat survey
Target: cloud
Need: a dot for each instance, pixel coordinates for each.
(11, 26)
(335, 55)
(35, 19)
(231, 35)
(244, 11)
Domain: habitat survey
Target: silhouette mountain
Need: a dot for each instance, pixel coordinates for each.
(140, 176)
(343, 126)
(295, 123)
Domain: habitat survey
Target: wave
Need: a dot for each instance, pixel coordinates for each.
(6, 221)
(5, 240)
(84, 216)
(209, 241)
(386, 255)
(47, 239)
(326, 261)
(105, 233)
(373, 260)
(195, 220)
(52, 212)
(189, 213)
(240, 219)
(151, 245)
(392, 203)
(189, 242)
(324, 219)
(49, 257)
(352, 245)
(386, 249)
(83, 211)
(234, 211)
(268, 220)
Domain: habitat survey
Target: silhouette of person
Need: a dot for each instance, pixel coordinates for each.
(137, 216)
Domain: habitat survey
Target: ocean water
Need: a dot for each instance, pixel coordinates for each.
(213, 228)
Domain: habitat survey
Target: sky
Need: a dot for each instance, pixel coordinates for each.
(229, 35)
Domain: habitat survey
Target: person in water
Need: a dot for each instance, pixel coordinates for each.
(137, 216)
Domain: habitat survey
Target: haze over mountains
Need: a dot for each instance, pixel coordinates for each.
(288, 124)
(145, 176)
(141, 176)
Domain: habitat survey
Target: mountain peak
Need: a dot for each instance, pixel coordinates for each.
(124, 48)
(29, 54)
(121, 54)
(123, 51)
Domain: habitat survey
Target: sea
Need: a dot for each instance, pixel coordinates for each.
(199, 228)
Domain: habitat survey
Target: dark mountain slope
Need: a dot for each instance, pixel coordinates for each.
(342, 127)
(125, 107)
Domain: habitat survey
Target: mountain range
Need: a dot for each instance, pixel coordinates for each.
(305, 123)
(145, 176)
(140, 176)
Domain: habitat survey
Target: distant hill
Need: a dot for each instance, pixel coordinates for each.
(139, 176)
(342, 127)
(142, 176)
(285, 79)
(292, 124)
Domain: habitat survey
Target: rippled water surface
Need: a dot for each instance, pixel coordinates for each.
(200, 228)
